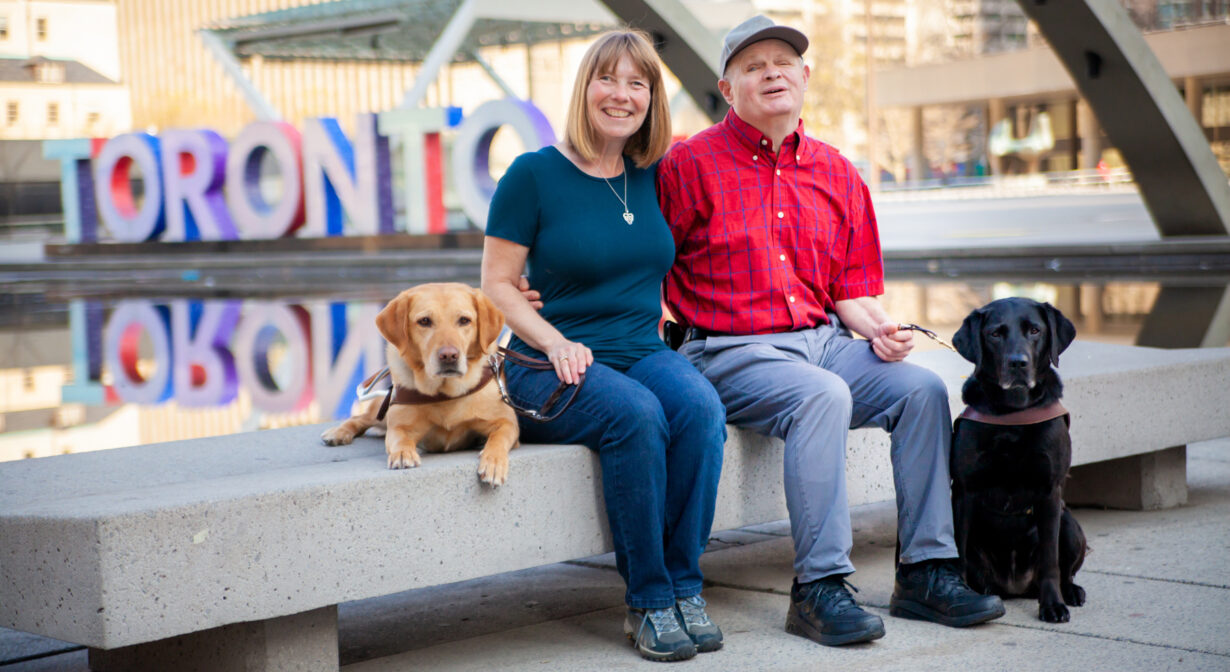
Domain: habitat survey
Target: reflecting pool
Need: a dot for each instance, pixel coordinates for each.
(83, 370)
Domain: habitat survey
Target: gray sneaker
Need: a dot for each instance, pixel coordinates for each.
(657, 635)
(705, 635)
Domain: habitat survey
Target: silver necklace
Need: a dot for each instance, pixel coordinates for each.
(628, 216)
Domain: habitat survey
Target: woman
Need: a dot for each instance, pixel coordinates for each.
(584, 214)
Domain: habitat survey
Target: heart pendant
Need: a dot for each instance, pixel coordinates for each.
(628, 217)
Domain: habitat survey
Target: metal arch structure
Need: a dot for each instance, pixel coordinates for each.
(1107, 57)
(397, 29)
(1136, 103)
(686, 47)
(1162, 143)
(1115, 70)
(1141, 112)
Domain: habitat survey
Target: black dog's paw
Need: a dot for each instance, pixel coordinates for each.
(1073, 595)
(1053, 613)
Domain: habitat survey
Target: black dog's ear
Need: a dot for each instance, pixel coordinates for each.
(968, 339)
(1062, 331)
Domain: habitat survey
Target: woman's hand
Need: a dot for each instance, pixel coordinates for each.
(570, 360)
(890, 343)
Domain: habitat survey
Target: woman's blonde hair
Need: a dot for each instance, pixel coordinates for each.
(653, 138)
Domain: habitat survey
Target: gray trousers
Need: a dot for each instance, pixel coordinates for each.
(808, 388)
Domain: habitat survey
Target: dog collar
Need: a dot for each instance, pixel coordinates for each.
(408, 396)
(1029, 416)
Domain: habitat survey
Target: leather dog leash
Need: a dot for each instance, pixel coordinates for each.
(494, 370)
(547, 412)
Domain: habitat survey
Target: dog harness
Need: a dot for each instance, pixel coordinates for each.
(494, 370)
(1029, 416)
(406, 396)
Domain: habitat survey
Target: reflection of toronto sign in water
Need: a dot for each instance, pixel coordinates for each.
(197, 186)
(203, 352)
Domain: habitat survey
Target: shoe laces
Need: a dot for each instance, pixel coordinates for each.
(834, 594)
(663, 621)
(942, 578)
(947, 579)
(693, 611)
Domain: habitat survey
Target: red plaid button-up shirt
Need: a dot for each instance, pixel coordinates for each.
(765, 243)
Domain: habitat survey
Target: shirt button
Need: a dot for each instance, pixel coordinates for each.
(792, 299)
(754, 157)
(797, 157)
(779, 172)
(780, 214)
(782, 257)
(763, 141)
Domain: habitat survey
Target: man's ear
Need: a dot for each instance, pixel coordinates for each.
(1062, 331)
(490, 320)
(727, 92)
(968, 339)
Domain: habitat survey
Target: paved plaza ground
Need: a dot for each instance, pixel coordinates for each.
(1158, 585)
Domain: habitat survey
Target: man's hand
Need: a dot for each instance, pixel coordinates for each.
(890, 343)
(866, 317)
(531, 295)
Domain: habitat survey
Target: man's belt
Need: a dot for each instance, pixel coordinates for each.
(676, 335)
(698, 334)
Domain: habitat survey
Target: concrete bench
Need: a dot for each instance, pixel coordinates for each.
(233, 553)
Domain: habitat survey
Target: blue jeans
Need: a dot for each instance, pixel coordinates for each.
(658, 429)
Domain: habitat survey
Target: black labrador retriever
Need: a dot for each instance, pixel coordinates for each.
(1010, 455)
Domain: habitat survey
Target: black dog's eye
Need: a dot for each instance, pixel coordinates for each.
(424, 321)
(1034, 330)
(463, 321)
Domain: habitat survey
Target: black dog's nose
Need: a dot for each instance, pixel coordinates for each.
(1017, 361)
(448, 354)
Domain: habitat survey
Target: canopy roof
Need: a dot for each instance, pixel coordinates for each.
(404, 30)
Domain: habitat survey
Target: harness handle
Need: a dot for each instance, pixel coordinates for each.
(548, 411)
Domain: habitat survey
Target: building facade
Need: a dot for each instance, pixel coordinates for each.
(59, 70)
(982, 63)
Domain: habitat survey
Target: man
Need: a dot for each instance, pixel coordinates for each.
(777, 261)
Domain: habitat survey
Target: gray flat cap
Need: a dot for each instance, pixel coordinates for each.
(755, 29)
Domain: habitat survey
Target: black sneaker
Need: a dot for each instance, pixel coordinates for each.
(704, 633)
(934, 591)
(825, 612)
(657, 635)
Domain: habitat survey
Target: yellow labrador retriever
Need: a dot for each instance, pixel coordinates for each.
(439, 338)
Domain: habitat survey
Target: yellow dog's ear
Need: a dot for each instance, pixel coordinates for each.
(391, 321)
(490, 320)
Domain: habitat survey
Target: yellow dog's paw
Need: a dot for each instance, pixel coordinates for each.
(404, 459)
(338, 436)
(493, 467)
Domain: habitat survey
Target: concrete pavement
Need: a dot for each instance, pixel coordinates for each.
(1158, 585)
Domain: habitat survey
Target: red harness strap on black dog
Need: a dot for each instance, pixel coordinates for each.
(409, 396)
(1029, 416)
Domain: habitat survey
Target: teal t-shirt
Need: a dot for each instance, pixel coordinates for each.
(599, 276)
